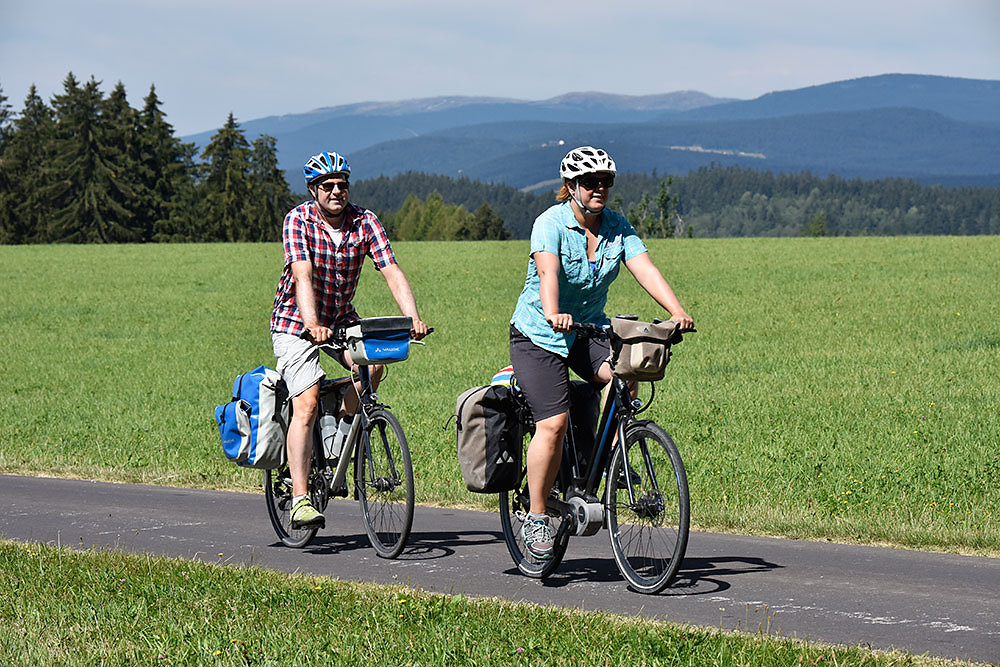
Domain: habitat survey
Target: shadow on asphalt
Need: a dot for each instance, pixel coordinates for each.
(332, 544)
(698, 576)
(432, 545)
(578, 569)
(420, 545)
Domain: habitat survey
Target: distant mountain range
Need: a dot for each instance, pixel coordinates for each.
(929, 128)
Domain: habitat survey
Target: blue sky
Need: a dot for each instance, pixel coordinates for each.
(266, 57)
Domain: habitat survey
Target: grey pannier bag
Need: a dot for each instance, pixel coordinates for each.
(642, 349)
(488, 430)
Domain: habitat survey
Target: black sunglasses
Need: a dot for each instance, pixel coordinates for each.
(592, 182)
(330, 185)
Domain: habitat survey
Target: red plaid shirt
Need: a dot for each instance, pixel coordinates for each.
(336, 268)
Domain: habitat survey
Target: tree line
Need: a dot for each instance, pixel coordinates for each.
(89, 168)
(734, 201)
(389, 196)
(717, 201)
(435, 220)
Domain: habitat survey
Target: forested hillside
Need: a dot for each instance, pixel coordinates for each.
(873, 143)
(728, 201)
(933, 129)
(715, 202)
(89, 168)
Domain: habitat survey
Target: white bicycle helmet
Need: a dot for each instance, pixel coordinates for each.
(585, 160)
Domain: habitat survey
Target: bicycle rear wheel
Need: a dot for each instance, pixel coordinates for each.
(384, 480)
(648, 533)
(278, 492)
(513, 513)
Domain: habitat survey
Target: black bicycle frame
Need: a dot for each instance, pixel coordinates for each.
(612, 423)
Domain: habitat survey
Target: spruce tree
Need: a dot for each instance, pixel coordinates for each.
(489, 225)
(5, 201)
(24, 209)
(167, 169)
(270, 198)
(119, 121)
(187, 212)
(85, 180)
(226, 183)
(6, 118)
(667, 204)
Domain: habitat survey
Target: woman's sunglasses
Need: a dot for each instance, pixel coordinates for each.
(592, 182)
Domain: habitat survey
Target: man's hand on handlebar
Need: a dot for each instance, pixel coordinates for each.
(419, 329)
(318, 334)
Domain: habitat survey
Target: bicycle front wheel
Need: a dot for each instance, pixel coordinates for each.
(384, 480)
(278, 492)
(649, 527)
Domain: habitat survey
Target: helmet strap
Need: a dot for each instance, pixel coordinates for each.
(575, 194)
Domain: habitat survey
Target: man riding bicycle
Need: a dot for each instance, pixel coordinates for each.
(577, 248)
(325, 242)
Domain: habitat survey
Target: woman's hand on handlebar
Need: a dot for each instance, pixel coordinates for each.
(683, 320)
(560, 322)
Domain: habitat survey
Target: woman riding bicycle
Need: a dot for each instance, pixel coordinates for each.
(577, 247)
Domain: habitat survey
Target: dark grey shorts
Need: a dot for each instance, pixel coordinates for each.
(543, 376)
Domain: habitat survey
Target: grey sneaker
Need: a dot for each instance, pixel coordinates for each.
(537, 535)
(304, 515)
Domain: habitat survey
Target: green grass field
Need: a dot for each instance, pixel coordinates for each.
(839, 388)
(62, 607)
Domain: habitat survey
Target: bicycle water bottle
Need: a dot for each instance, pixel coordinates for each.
(333, 440)
(328, 432)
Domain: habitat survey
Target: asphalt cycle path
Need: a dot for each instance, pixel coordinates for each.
(936, 604)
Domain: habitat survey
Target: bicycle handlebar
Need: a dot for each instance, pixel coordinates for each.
(340, 336)
(589, 328)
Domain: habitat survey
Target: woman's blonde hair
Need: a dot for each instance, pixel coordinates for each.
(563, 194)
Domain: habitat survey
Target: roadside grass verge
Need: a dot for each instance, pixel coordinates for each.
(62, 606)
(842, 388)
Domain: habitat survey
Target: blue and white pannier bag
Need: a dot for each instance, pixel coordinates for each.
(254, 423)
(379, 340)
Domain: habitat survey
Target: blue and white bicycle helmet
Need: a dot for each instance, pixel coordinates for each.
(324, 164)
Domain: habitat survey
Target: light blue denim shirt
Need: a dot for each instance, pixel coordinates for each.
(583, 289)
